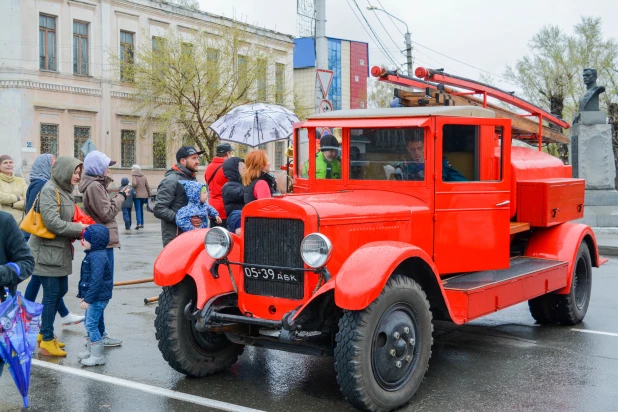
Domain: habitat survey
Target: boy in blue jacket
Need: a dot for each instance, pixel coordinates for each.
(95, 290)
(197, 194)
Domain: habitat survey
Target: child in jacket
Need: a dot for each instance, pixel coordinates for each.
(95, 290)
(198, 206)
(127, 205)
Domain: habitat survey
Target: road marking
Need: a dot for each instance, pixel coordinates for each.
(596, 332)
(154, 390)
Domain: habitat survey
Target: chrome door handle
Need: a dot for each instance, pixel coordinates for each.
(506, 202)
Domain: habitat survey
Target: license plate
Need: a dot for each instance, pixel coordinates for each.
(275, 275)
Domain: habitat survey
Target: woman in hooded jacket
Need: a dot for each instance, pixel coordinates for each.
(233, 192)
(53, 257)
(39, 176)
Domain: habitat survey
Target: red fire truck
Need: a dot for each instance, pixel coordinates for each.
(358, 266)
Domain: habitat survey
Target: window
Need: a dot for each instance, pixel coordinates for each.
(460, 153)
(158, 43)
(187, 49)
(327, 161)
(302, 150)
(80, 135)
(387, 154)
(47, 42)
(212, 62)
(126, 56)
(279, 148)
(260, 76)
(334, 64)
(159, 151)
(241, 72)
(127, 148)
(49, 139)
(279, 83)
(80, 48)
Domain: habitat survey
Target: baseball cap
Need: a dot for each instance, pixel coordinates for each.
(186, 151)
(223, 148)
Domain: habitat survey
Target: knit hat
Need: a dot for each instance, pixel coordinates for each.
(5, 157)
(329, 142)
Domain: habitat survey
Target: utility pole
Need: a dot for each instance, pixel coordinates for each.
(321, 47)
(408, 38)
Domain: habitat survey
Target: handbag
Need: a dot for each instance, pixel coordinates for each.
(33, 222)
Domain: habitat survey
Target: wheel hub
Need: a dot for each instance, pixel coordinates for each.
(395, 351)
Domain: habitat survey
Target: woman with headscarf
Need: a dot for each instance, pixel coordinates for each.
(39, 175)
(54, 257)
(142, 194)
(12, 189)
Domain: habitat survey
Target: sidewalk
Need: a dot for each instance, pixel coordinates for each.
(607, 240)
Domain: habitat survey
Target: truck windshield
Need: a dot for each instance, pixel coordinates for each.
(387, 154)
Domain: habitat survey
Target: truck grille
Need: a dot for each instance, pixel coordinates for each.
(274, 242)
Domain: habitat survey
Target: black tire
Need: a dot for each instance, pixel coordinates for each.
(571, 308)
(192, 353)
(367, 372)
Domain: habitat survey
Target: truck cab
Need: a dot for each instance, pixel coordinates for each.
(425, 221)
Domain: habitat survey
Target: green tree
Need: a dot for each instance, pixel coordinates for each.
(185, 83)
(379, 94)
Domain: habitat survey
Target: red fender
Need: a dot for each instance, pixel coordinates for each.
(364, 274)
(328, 286)
(562, 243)
(186, 255)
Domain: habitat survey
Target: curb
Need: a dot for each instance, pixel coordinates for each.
(608, 250)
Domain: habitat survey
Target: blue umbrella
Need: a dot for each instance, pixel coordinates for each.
(19, 326)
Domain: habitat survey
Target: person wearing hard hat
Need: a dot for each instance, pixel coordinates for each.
(327, 162)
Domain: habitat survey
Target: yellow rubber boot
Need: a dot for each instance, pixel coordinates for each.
(51, 348)
(39, 339)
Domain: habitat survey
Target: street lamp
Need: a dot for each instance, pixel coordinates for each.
(408, 38)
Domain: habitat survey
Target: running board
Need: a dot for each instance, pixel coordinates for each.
(476, 294)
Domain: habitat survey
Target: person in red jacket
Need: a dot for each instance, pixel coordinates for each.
(215, 179)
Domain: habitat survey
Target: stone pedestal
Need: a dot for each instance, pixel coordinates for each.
(592, 158)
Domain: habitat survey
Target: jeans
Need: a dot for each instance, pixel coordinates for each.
(126, 216)
(54, 289)
(139, 210)
(32, 290)
(110, 256)
(94, 320)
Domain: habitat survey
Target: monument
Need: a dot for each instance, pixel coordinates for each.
(592, 156)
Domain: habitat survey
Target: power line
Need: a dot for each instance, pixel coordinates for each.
(380, 21)
(377, 38)
(391, 18)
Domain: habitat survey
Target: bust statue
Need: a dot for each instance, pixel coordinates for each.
(590, 100)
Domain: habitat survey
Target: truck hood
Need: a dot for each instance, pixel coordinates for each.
(360, 205)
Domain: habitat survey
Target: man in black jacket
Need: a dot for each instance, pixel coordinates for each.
(171, 194)
(16, 262)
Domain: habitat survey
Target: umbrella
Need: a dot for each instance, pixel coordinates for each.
(19, 326)
(255, 124)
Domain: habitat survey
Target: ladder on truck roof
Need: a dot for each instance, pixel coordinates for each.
(436, 93)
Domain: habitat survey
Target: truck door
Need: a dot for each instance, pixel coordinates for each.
(472, 194)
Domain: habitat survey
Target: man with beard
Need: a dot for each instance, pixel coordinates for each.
(171, 194)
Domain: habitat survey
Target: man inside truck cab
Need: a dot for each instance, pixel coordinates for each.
(327, 162)
(414, 168)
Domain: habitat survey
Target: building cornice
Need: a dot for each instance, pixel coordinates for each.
(126, 15)
(27, 84)
(82, 4)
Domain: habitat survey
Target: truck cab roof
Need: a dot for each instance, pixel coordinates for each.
(458, 111)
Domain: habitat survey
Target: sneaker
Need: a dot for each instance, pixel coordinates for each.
(108, 341)
(72, 319)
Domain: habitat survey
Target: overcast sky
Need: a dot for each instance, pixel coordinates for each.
(488, 34)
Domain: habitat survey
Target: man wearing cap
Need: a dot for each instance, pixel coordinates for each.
(97, 203)
(171, 194)
(327, 162)
(215, 179)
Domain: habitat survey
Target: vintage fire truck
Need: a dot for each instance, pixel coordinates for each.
(357, 267)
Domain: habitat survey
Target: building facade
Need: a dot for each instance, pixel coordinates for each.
(349, 61)
(57, 87)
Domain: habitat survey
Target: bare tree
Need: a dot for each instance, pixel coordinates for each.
(183, 83)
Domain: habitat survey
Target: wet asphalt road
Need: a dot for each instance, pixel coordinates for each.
(501, 362)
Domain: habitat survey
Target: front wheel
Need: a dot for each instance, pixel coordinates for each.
(188, 351)
(383, 351)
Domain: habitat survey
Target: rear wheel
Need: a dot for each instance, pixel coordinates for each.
(383, 351)
(571, 308)
(193, 353)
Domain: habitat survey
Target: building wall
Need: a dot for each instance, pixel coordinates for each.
(345, 75)
(30, 97)
(359, 63)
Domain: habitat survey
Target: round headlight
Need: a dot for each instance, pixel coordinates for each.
(316, 250)
(218, 243)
